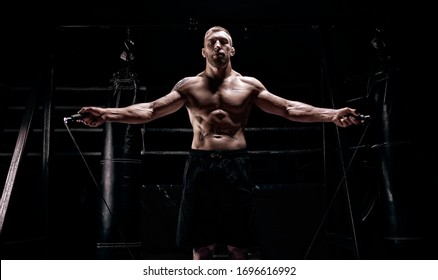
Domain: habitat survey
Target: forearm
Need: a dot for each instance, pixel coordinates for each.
(302, 112)
(133, 114)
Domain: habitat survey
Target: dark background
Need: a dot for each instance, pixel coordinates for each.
(310, 51)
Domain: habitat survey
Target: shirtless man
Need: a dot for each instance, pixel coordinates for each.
(217, 201)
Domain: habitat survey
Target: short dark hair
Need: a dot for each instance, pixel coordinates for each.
(217, 28)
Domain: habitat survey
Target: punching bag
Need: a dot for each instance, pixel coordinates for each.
(118, 225)
(394, 156)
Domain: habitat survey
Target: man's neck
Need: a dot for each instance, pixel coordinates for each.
(218, 73)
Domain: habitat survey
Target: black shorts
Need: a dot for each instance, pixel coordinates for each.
(217, 203)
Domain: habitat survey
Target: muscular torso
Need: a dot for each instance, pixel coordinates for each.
(218, 110)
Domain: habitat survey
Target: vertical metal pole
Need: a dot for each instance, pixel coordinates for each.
(326, 79)
(47, 132)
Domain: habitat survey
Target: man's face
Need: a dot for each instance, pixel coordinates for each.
(218, 48)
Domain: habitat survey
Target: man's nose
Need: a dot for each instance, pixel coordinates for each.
(217, 44)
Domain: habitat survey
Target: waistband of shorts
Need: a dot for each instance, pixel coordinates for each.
(219, 153)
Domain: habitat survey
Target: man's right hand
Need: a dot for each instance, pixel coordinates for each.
(92, 116)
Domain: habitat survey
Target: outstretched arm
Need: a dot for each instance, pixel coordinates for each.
(134, 114)
(302, 112)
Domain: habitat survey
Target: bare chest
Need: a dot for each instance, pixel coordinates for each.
(225, 97)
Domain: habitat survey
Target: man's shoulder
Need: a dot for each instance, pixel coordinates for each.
(193, 79)
(249, 80)
(187, 82)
